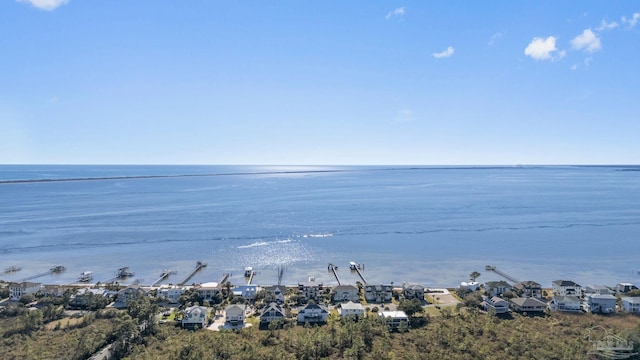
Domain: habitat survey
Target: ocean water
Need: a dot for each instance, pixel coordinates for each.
(432, 225)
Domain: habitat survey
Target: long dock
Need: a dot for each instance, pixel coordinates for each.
(165, 274)
(250, 278)
(199, 266)
(356, 267)
(223, 280)
(54, 270)
(504, 275)
(334, 269)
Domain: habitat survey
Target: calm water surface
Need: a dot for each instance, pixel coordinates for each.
(428, 225)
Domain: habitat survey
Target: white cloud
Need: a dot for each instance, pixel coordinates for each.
(396, 12)
(574, 67)
(607, 25)
(543, 49)
(494, 37)
(445, 54)
(633, 21)
(47, 5)
(588, 41)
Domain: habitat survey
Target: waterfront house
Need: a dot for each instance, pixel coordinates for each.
(171, 293)
(234, 315)
(195, 317)
(528, 305)
(17, 290)
(496, 304)
(351, 309)
(393, 319)
(471, 286)
(496, 288)
(604, 304)
(130, 293)
(208, 291)
(313, 313)
(271, 313)
(246, 291)
(631, 304)
(378, 293)
(598, 289)
(309, 290)
(623, 288)
(565, 303)
(345, 293)
(566, 288)
(86, 297)
(413, 291)
(528, 289)
(275, 294)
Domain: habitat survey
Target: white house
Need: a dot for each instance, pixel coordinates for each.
(309, 290)
(246, 291)
(378, 293)
(496, 288)
(195, 317)
(624, 288)
(208, 290)
(564, 303)
(471, 286)
(351, 309)
(496, 304)
(275, 294)
(313, 313)
(17, 290)
(598, 289)
(566, 288)
(130, 293)
(393, 319)
(413, 291)
(234, 315)
(528, 304)
(345, 293)
(595, 303)
(272, 313)
(529, 289)
(631, 304)
(171, 293)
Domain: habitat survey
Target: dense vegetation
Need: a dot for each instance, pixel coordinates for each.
(453, 332)
(469, 335)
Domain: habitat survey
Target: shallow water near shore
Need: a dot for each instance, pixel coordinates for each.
(432, 225)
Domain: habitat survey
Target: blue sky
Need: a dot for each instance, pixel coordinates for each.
(319, 82)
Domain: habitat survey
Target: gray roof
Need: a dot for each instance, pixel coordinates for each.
(495, 284)
(564, 283)
(632, 300)
(565, 299)
(528, 302)
(352, 306)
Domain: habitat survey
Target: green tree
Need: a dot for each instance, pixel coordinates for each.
(474, 275)
(410, 307)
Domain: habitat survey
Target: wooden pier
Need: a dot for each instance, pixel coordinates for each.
(223, 280)
(165, 274)
(504, 275)
(250, 278)
(354, 266)
(334, 269)
(199, 266)
(54, 270)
